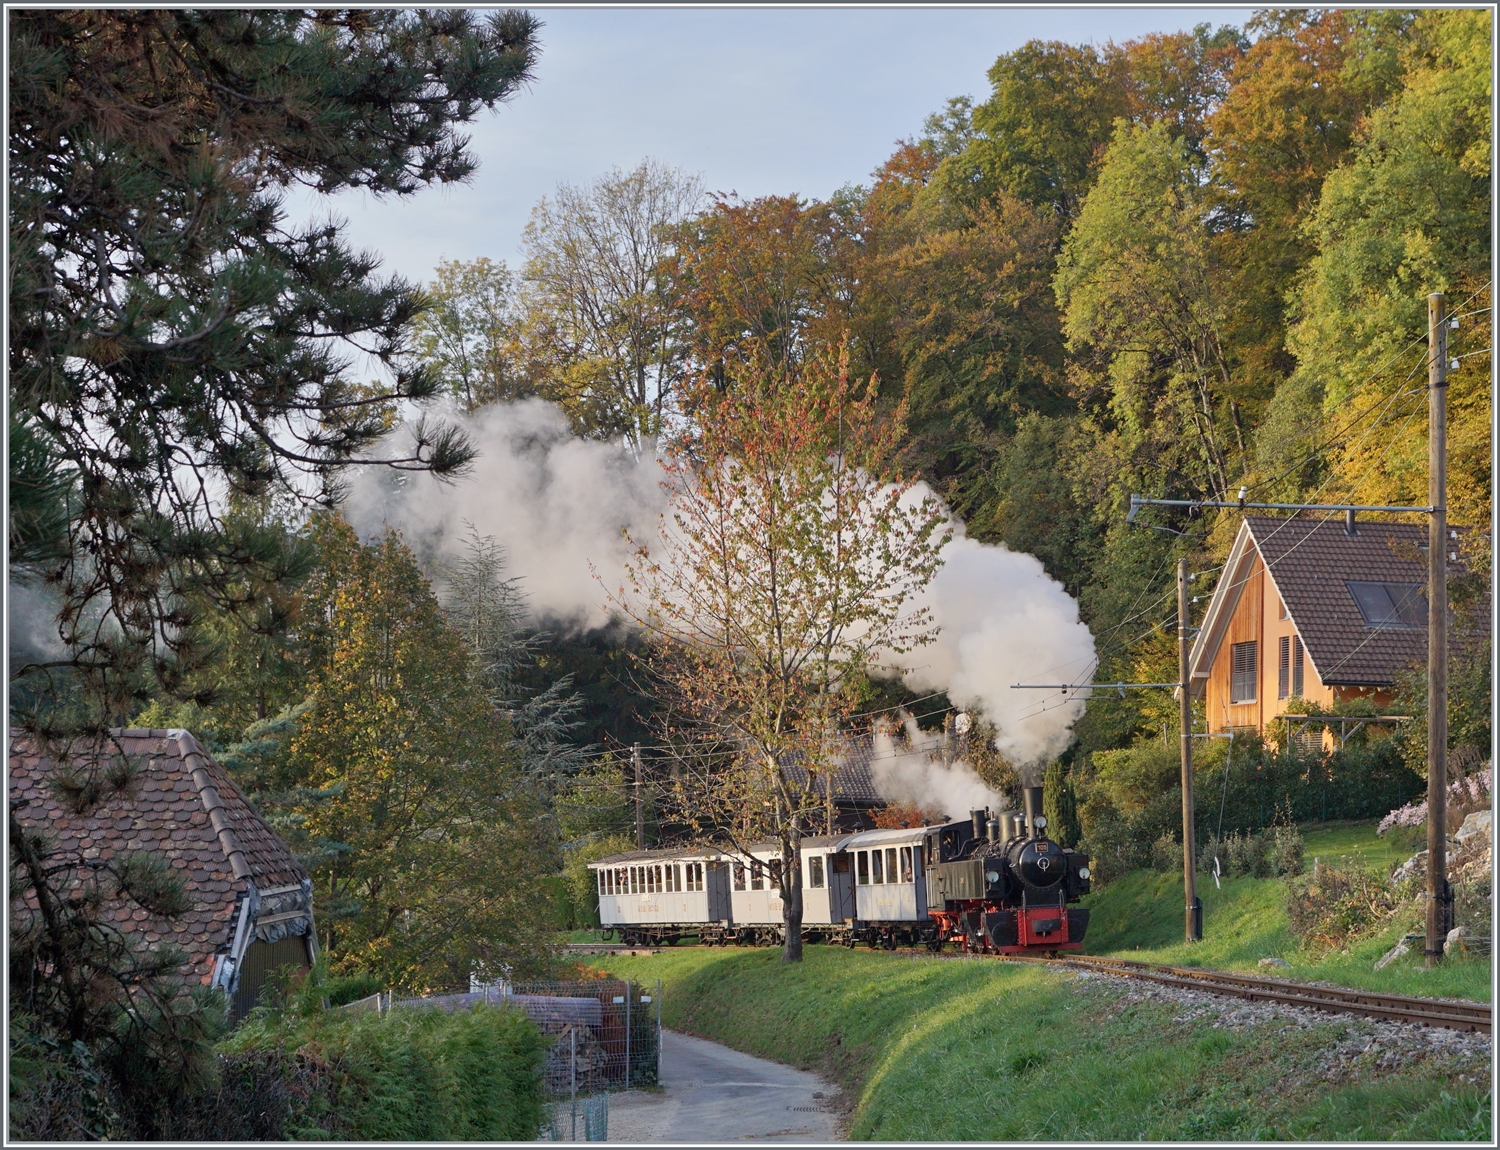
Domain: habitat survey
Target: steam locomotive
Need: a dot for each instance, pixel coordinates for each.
(992, 884)
(998, 885)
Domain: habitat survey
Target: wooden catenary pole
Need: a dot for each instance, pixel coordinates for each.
(1438, 897)
(1185, 698)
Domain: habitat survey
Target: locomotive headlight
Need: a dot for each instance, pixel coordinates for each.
(1083, 872)
(991, 876)
(1041, 822)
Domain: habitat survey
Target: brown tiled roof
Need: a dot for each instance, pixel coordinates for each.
(1310, 561)
(181, 805)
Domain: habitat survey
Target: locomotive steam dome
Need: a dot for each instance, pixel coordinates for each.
(1038, 863)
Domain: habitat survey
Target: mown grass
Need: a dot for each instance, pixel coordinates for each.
(979, 1050)
(1357, 844)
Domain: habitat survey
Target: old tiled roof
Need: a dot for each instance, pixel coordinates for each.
(853, 783)
(1310, 561)
(182, 805)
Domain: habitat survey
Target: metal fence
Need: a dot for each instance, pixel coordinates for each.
(604, 1034)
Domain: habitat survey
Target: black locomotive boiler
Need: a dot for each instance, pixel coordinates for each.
(997, 885)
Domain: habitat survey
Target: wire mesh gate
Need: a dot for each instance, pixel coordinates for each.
(607, 1037)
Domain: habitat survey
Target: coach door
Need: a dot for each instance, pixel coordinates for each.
(840, 887)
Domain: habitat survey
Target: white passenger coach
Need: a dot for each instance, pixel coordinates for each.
(864, 887)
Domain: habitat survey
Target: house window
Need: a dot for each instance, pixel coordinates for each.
(1242, 667)
(1285, 614)
(877, 866)
(815, 871)
(906, 865)
(757, 876)
(739, 876)
(862, 868)
(1390, 606)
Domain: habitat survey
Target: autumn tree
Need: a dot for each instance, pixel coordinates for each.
(599, 323)
(788, 560)
(1139, 293)
(427, 842)
(1407, 214)
(468, 335)
(761, 278)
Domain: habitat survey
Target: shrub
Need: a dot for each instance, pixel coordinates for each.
(1286, 850)
(1465, 795)
(1340, 906)
(1248, 855)
(1166, 854)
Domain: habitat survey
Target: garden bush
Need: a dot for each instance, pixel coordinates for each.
(412, 1074)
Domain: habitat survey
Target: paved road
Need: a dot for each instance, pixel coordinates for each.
(713, 1094)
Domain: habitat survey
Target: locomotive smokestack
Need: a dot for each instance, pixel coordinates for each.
(1031, 799)
(978, 819)
(992, 830)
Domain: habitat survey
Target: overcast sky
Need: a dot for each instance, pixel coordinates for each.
(756, 101)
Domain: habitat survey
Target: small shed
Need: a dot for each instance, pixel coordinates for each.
(252, 910)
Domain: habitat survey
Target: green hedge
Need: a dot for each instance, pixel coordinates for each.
(1135, 799)
(411, 1075)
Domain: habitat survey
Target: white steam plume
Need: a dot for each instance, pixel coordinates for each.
(919, 773)
(558, 503)
(1004, 620)
(555, 502)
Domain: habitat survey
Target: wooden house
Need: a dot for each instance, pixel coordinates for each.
(251, 900)
(1326, 611)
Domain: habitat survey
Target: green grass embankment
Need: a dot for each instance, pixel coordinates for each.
(977, 1049)
(939, 1050)
(1140, 916)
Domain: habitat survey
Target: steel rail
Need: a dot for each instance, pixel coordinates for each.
(1468, 1016)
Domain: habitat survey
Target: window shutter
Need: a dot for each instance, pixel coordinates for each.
(1296, 666)
(1242, 673)
(1284, 667)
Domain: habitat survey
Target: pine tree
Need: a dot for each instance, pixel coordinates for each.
(172, 335)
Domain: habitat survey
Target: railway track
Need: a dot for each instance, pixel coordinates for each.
(1471, 1016)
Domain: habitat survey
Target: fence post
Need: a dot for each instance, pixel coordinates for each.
(573, 1081)
(627, 1033)
(658, 1032)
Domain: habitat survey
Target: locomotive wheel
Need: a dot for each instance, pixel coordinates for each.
(935, 945)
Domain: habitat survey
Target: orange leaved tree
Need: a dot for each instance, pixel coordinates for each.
(791, 555)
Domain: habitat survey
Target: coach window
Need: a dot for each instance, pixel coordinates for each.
(774, 869)
(862, 868)
(815, 871)
(906, 871)
(622, 881)
(739, 876)
(757, 876)
(890, 864)
(877, 866)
